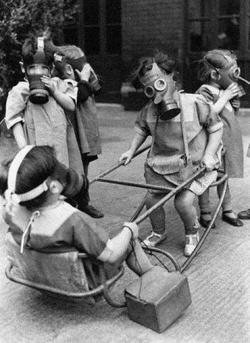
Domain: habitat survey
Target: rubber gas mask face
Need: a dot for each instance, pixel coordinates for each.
(229, 75)
(160, 87)
(34, 71)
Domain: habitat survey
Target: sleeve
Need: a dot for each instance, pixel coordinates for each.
(89, 238)
(207, 117)
(84, 91)
(16, 103)
(207, 94)
(141, 126)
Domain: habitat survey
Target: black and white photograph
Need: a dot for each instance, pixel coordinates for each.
(125, 171)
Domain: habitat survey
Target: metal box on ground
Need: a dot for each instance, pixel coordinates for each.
(157, 298)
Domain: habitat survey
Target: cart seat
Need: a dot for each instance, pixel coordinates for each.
(64, 272)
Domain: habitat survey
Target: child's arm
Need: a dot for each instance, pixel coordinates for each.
(214, 142)
(19, 136)
(135, 144)
(120, 243)
(228, 94)
(63, 99)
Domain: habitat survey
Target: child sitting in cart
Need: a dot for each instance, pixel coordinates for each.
(185, 135)
(38, 216)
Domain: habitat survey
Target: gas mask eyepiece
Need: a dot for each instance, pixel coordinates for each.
(160, 87)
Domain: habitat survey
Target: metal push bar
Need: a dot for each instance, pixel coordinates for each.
(171, 192)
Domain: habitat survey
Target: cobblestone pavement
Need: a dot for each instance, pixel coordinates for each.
(219, 277)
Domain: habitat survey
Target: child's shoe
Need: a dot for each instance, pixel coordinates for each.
(92, 211)
(205, 219)
(154, 238)
(191, 243)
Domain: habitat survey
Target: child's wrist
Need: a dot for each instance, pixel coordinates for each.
(133, 228)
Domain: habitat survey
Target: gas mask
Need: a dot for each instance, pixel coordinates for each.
(61, 61)
(160, 87)
(229, 75)
(38, 67)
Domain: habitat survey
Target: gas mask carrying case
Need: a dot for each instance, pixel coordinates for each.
(158, 298)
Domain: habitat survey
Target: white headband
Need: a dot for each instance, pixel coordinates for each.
(12, 175)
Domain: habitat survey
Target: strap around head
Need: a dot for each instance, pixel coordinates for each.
(10, 193)
(15, 165)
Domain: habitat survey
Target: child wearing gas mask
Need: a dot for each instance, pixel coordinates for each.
(39, 218)
(220, 73)
(71, 65)
(36, 108)
(185, 134)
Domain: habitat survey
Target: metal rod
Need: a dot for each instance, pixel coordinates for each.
(139, 209)
(119, 164)
(222, 179)
(134, 184)
(205, 234)
(244, 80)
(168, 196)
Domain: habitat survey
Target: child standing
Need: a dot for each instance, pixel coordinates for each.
(185, 133)
(35, 181)
(220, 73)
(35, 107)
(71, 65)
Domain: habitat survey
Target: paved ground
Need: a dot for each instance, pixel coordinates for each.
(219, 277)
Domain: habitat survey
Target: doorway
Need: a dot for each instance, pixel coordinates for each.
(101, 39)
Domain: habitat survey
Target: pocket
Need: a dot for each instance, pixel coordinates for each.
(165, 165)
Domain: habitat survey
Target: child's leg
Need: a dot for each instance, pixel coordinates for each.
(205, 211)
(137, 260)
(85, 206)
(184, 203)
(228, 215)
(157, 218)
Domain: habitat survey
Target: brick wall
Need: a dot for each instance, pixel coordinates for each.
(151, 24)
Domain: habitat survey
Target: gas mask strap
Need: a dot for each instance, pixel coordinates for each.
(184, 134)
(40, 44)
(153, 136)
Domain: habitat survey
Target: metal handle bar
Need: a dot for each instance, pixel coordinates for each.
(169, 196)
(119, 164)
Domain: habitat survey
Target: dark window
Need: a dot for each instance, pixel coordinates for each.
(199, 25)
(91, 12)
(92, 40)
(114, 39)
(229, 7)
(113, 11)
(70, 34)
(229, 33)
(102, 26)
(113, 26)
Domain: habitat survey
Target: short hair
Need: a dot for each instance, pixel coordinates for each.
(39, 163)
(163, 61)
(73, 55)
(214, 59)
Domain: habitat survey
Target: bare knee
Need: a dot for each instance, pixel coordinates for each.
(184, 201)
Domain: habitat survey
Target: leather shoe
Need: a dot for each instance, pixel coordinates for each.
(232, 221)
(205, 223)
(244, 214)
(92, 211)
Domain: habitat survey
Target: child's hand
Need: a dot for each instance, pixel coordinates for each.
(84, 74)
(49, 83)
(231, 91)
(209, 162)
(126, 157)
(235, 103)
